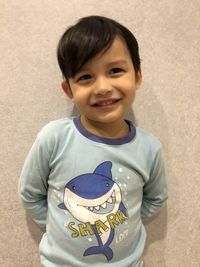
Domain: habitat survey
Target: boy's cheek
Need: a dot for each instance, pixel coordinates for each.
(78, 99)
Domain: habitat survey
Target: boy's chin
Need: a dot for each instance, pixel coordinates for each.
(104, 119)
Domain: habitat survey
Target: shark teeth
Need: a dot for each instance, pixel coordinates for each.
(104, 205)
(97, 208)
(110, 200)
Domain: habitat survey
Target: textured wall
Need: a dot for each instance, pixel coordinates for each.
(167, 104)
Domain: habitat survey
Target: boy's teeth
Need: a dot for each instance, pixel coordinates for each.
(105, 103)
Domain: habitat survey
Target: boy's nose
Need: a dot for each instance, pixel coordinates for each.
(102, 86)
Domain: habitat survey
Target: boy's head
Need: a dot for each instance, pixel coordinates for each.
(90, 36)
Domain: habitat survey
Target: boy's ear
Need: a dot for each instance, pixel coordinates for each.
(67, 89)
(138, 79)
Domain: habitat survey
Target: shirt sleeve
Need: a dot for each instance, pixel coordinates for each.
(155, 191)
(33, 183)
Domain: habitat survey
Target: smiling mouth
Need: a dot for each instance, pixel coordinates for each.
(106, 103)
(105, 207)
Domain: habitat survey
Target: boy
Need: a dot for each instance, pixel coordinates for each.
(90, 180)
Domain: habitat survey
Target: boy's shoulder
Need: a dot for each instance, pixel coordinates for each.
(147, 139)
(55, 127)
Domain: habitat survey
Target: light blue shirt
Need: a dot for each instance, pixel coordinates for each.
(91, 193)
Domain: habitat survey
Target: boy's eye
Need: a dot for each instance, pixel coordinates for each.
(116, 70)
(84, 77)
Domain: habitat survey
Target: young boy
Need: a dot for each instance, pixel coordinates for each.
(89, 180)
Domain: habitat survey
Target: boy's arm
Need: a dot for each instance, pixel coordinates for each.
(155, 191)
(33, 183)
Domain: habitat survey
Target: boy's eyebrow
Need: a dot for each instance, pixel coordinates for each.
(120, 61)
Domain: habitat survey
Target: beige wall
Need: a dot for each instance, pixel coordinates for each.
(167, 104)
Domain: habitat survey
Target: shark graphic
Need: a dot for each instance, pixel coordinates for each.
(92, 197)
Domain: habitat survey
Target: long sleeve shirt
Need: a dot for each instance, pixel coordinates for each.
(91, 194)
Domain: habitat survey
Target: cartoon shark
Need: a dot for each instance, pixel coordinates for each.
(92, 197)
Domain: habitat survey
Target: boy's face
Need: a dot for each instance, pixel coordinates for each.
(105, 87)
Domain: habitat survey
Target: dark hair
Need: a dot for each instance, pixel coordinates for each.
(91, 35)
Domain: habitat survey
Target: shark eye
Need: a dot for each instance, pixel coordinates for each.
(73, 187)
(107, 184)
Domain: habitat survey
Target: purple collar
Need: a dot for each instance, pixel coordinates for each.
(109, 141)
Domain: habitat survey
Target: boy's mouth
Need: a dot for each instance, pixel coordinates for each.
(105, 103)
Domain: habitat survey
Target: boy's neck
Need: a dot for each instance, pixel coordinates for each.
(108, 130)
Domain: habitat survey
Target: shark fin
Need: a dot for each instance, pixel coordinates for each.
(106, 251)
(104, 169)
